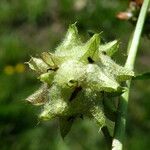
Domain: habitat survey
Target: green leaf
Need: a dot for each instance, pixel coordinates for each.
(143, 76)
(65, 124)
(109, 108)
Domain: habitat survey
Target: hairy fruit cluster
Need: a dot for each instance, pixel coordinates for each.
(75, 78)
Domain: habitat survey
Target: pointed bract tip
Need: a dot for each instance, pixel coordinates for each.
(73, 28)
(33, 102)
(93, 42)
(65, 125)
(38, 65)
(110, 48)
(45, 116)
(96, 37)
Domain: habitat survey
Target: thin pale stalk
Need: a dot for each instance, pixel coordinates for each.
(119, 133)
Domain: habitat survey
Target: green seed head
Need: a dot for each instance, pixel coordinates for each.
(75, 77)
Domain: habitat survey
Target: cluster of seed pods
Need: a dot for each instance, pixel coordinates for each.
(74, 79)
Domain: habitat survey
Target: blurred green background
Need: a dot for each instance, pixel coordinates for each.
(29, 27)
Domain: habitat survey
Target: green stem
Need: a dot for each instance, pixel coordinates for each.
(107, 136)
(119, 133)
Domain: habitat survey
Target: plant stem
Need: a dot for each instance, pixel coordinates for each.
(107, 136)
(119, 133)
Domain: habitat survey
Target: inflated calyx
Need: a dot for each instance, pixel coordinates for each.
(74, 79)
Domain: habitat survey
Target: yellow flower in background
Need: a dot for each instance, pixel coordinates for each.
(20, 68)
(9, 70)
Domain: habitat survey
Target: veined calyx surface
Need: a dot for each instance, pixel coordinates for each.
(74, 79)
